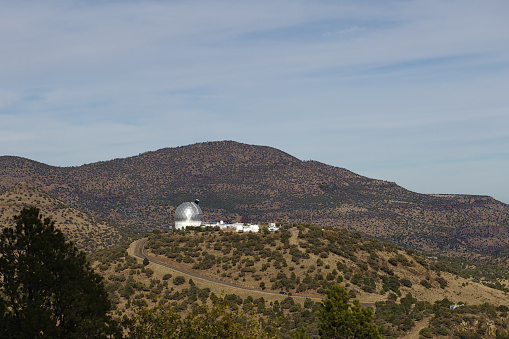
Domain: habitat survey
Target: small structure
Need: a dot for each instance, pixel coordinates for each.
(239, 227)
(455, 306)
(272, 227)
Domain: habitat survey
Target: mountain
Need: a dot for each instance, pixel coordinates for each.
(241, 182)
(87, 232)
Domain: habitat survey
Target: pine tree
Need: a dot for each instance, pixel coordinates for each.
(339, 319)
(204, 321)
(47, 287)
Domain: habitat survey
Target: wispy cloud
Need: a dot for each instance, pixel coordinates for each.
(357, 84)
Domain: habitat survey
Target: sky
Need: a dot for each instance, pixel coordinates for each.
(410, 91)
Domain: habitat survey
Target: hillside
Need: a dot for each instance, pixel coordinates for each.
(240, 182)
(407, 289)
(308, 260)
(87, 232)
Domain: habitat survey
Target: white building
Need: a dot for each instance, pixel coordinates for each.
(272, 227)
(239, 227)
(188, 214)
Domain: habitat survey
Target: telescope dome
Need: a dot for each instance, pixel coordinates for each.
(188, 214)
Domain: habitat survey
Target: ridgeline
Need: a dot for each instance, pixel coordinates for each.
(239, 182)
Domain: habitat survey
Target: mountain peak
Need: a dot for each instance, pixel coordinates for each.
(241, 182)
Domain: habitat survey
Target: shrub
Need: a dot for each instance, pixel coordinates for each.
(149, 272)
(425, 283)
(442, 282)
(426, 333)
(179, 280)
(405, 282)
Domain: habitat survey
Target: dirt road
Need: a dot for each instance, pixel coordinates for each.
(139, 251)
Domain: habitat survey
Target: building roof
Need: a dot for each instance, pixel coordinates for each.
(188, 211)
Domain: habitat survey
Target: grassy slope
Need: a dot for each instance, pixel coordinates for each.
(358, 255)
(87, 232)
(307, 260)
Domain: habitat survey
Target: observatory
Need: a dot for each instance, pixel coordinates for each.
(188, 214)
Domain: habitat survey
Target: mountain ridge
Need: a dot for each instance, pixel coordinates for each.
(240, 182)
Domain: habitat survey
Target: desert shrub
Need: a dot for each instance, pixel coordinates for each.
(126, 291)
(357, 279)
(405, 282)
(425, 283)
(387, 270)
(391, 283)
(393, 261)
(179, 280)
(426, 332)
(503, 308)
(368, 285)
(149, 272)
(207, 262)
(442, 282)
(119, 278)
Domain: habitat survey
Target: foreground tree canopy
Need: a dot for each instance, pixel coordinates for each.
(339, 319)
(204, 321)
(47, 287)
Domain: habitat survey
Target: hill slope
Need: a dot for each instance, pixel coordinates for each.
(303, 261)
(242, 182)
(86, 231)
(308, 260)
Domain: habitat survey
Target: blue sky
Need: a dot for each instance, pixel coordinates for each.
(409, 91)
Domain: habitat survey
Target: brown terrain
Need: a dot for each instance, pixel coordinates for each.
(304, 260)
(360, 258)
(87, 232)
(239, 182)
(258, 266)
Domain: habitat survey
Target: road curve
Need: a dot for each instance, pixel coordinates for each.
(139, 251)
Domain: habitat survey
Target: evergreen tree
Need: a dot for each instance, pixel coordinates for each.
(204, 321)
(339, 319)
(47, 287)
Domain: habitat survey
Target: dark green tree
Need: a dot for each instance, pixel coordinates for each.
(205, 321)
(339, 319)
(47, 287)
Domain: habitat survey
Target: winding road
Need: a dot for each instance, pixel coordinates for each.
(139, 251)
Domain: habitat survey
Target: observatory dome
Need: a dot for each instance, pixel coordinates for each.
(188, 214)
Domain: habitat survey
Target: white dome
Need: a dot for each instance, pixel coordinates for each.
(188, 214)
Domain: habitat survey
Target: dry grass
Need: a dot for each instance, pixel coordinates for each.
(217, 288)
(86, 231)
(458, 288)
